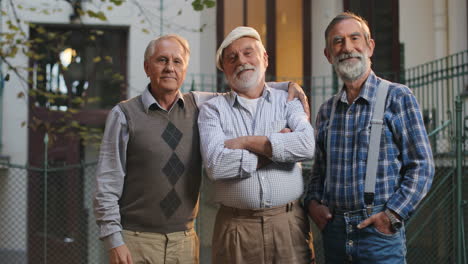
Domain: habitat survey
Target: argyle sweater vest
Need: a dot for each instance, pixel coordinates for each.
(163, 167)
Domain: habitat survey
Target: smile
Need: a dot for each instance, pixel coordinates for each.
(349, 58)
(242, 71)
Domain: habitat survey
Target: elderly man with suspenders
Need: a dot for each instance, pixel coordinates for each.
(373, 161)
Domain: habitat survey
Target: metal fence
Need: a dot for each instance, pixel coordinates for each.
(47, 211)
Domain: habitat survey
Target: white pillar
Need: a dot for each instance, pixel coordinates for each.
(440, 28)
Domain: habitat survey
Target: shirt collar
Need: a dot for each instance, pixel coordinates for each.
(150, 103)
(367, 92)
(266, 94)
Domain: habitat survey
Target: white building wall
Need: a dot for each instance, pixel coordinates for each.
(457, 23)
(13, 186)
(417, 31)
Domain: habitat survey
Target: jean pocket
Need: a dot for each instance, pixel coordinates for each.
(376, 231)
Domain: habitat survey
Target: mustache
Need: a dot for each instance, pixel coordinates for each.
(350, 55)
(244, 67)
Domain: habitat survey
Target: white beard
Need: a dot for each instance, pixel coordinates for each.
(350, 70)
(247, 80)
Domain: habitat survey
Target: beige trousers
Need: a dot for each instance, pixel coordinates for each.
(154, 248)
(270, 236)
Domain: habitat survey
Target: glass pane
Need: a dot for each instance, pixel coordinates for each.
(256, 17)
(80, 68)
(233, 15)
(289, 40)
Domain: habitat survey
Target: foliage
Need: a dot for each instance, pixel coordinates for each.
(42, 46)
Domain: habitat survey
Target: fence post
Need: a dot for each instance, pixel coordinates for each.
(459, 163)
(46, 145)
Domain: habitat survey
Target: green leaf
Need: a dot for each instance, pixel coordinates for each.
(110, 8)
(117, 2)
(13, 27)
(197, 5)
(99, 15)
(209, 3)
(97, 59)
(145, 30)
(20, 95)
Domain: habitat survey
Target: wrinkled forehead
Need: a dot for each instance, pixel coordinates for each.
(241, 44)
(346, 27)
(170, 46)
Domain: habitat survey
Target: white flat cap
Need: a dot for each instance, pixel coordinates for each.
(237, 33)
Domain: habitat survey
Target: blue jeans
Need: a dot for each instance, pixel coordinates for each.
(345, 243)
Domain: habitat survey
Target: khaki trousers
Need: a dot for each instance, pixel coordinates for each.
(266, 236)
(154, 248)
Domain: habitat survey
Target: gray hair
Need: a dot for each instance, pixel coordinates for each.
(149, 51)
(345, 16)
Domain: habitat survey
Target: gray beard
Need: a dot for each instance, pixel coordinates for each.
(350, 71)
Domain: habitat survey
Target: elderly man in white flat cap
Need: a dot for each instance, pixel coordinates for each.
(252, 141)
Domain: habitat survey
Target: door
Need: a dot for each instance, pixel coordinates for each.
(78, 74)
(383, 19)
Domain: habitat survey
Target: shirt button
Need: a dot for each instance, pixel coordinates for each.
(263, 177)
(350, 243)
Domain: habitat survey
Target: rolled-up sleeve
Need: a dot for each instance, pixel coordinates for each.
(110, 178)
(299, 145)
(220, 162)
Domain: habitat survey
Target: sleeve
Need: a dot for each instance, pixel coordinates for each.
(283, 86)
(417, 169)
(201, 97)
(110, 178)
(221, 163)
(315, 186)
(299, 145)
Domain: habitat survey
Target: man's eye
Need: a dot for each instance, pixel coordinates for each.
(162, 60)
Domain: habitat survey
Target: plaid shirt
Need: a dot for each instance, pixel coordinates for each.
(405, 163)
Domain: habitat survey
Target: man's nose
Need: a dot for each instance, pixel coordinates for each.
(347, 46)
(242, 59)
(169, 67)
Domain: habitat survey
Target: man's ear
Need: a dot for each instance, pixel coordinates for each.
(328, 55)
(371, 47)
(265, 58)
(146, 66)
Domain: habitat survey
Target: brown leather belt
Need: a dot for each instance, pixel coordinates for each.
(271, 211)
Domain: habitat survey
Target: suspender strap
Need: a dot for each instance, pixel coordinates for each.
(374, 144)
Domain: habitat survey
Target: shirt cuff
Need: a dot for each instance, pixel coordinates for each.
(248, 163)
(401, 211)
(277, 147)
(113, 240)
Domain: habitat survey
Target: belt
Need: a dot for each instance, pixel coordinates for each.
(271, 211)
(364, 212)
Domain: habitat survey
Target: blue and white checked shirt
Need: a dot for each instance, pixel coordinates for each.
(405, 168)
(237, 181)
